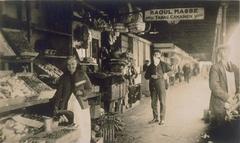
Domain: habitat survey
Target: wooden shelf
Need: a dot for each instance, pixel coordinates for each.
(53, 56)
(16, 59)
(21, 102)
(52, 31)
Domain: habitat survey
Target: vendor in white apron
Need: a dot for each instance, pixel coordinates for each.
(73, 89)
(224, 85)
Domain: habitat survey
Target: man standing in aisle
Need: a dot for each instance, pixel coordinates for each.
(156, 73)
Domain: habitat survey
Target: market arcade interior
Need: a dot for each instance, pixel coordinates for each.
(38, 36)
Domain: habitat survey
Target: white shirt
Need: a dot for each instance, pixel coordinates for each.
(231, 83)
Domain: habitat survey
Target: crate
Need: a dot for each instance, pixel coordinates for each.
(108, 129)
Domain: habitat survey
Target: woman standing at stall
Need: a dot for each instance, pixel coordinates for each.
(77, 82)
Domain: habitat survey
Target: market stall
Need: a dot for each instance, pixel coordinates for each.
(36, 43)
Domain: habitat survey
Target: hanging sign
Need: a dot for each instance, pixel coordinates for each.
(174, 14)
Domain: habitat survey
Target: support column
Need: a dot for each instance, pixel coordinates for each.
(224, 22)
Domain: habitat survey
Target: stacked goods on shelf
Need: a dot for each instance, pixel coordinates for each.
(18, 42)
(50, 69)
(13, 129)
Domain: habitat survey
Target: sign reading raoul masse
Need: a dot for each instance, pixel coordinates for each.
(174, 14)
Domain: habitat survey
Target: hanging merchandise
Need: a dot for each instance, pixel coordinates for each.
(81, 36)
(101, 25)
(137, 25)
(135, 21)
(111, 38)
(137, 16)
(125, 13)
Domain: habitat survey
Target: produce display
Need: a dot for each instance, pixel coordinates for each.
(11, 130)
(12, 87)
(36, 84)
(50, 69)
(55, 136)
(23, 85)
(232, 109)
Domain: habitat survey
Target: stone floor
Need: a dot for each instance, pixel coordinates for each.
(185, 105)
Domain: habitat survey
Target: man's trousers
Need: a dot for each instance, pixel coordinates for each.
(158, 92)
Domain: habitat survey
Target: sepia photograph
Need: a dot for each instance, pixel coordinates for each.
(119, 71)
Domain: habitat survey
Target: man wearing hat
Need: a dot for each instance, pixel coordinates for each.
(156, 73)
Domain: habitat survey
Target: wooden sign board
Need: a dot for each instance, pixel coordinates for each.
(174, 14)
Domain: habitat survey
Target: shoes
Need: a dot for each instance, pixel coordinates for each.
(161, 123)
(153, 121)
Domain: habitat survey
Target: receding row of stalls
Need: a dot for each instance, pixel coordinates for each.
(177, 59)
(36, 39)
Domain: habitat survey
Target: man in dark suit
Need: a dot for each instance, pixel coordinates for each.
(224, 88)
(156, 73)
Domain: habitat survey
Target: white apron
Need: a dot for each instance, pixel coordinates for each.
(81, 118)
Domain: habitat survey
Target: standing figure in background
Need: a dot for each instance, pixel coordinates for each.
(196, 69)
(155, 74)
(131, 75)
(145, 82)
(179, 73)
(187, 72)
(146, 64)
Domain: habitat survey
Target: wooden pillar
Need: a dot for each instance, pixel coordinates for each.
(224, 21)
(28, 16)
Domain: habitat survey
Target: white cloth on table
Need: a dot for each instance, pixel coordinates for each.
(81, 118)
